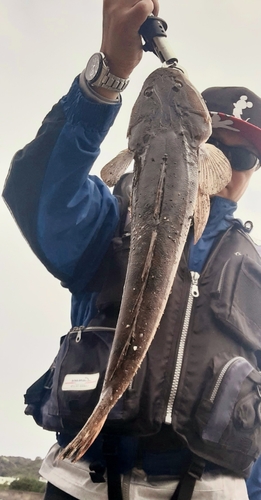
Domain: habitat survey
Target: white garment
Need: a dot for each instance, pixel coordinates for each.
(73, 478)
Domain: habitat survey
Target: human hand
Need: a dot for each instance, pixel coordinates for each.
(121, 42)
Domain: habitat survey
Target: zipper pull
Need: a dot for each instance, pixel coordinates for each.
(79, 335)
(194, 283)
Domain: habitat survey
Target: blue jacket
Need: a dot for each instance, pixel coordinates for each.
(62, 211)
(254, 481)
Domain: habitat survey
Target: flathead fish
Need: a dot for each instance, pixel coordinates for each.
(168, 127)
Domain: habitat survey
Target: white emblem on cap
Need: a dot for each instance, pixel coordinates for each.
(217, 122)
(240, 105)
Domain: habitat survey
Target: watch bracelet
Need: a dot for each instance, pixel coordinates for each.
(105, 79)
(112, 82)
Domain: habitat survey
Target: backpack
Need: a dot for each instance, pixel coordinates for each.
(219, 417)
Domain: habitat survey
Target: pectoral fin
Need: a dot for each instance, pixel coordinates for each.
(114, 169)
(214, 174)
(214, 169)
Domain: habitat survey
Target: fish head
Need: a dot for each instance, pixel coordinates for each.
(168, 100)
(195, 118)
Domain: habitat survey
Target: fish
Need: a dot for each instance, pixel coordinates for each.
(169, 125)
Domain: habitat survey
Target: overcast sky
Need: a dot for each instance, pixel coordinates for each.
(44, 45)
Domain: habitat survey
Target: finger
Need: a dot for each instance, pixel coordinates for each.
(139, 13)
(156, 8)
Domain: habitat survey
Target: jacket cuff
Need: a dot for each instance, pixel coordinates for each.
(96, 114)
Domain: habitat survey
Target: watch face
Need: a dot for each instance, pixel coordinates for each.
(93, 67)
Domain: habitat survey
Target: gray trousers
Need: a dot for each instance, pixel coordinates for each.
(74, 479)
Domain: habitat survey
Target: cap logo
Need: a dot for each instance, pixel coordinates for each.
(240, 105)
(218, 122)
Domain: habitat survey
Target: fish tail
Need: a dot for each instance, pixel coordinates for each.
(84, 439)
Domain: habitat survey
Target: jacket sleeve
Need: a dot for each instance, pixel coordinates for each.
(61, 210)
(254, 481)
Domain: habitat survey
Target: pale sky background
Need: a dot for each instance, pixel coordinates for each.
(44, 45)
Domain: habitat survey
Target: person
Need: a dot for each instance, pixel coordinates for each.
(70, 217)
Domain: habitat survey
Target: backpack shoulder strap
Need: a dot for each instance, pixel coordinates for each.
(185, 488)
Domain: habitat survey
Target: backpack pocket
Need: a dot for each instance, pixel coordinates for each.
(235, 299)
(38, 393)
(75, 383)
(228, 417)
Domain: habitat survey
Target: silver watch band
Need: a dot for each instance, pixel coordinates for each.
(105, 78)
(111, 82)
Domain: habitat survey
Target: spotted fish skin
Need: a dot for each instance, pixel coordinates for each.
(169, 122)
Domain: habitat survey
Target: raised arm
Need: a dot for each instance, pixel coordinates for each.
(61, 209)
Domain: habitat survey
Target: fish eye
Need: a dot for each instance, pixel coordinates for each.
(177, 86)
(148, 91)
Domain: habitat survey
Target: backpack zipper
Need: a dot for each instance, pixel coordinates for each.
(221, 377)
(193, 292)
(181, 348)
(221, 279)
(80, 329)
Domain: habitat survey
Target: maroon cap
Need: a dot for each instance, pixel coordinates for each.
(237, 109)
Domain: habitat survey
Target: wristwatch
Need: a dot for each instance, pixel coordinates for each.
(97, 74)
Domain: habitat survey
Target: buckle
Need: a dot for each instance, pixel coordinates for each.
(196, 468)
(97, 471)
